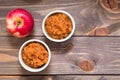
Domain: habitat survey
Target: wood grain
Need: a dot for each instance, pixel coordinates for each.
(88, 14)
(6, 58)
(58, 77)
(103, 51)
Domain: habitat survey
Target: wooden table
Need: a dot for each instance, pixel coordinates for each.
(102, 53)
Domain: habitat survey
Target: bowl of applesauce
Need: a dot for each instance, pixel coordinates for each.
(34, 55)
(58, 26)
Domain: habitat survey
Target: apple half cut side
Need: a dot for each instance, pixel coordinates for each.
(19, 23)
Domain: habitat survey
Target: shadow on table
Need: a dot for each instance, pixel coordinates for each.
(60, 47)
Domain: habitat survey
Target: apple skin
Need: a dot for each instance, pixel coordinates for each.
(19, 23)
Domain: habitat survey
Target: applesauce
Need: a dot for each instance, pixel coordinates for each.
(35, 55)
(58, 25)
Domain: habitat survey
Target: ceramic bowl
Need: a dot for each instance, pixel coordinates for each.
(26, 67)
(58, 40)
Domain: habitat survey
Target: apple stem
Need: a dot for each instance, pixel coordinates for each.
(18, 23)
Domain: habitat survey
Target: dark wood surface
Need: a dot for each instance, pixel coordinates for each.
(72, 77)
(104, 52)
(88, 14)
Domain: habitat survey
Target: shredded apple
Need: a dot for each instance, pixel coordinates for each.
(35, 55)
(58, 26)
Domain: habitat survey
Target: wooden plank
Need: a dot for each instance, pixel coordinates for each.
(58, 77)
(88, 14)
(103, 51)
(44, 2)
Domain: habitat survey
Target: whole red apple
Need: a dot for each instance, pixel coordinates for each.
(19, 23)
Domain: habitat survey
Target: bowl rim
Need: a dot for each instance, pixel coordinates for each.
(53, 12)
(26, 67)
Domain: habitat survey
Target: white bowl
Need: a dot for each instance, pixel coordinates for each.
(26, 66)
(58, 40)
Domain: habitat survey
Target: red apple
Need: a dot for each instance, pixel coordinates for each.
(19, 23)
